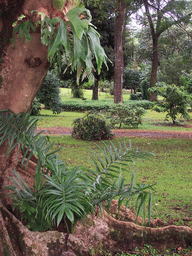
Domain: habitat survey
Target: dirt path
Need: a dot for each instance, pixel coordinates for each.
(123, 133)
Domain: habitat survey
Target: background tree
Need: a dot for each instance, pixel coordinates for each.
(103, 18)
(120, 18)
(175, 47)
(120, 12)
(160, 16)
(174, 53)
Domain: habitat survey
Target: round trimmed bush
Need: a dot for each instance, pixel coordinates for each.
(91, 127)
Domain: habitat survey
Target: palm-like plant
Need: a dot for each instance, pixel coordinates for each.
(64, 196)
(68, 194)
(107, 180)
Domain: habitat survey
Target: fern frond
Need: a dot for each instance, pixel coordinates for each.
(18, 131)
(108, 183)
(111, 157)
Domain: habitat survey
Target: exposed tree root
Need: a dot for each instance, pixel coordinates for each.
(20, 240)
(169, 235)
(5, 242)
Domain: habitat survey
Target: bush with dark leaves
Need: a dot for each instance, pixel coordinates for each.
(91, 127)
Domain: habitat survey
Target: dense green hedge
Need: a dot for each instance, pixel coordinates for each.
(100, 105)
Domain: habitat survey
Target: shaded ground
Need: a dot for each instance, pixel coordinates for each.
(123, 133)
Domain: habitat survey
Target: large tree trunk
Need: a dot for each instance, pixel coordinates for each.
(23, 68)
(22, 71)
(155, 61)
(118, 44)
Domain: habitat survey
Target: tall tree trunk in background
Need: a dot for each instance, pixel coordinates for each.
(118, 44)
(96, 88)
(153, 79)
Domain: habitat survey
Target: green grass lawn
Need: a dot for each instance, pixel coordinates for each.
(65, 94)
(151, 121)
(170, 168)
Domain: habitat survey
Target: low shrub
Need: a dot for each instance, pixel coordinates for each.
(76, 90)
(136, 96)
(125, 114)
(131, 79)
(91, 127)
(87, 105)
(104, 86)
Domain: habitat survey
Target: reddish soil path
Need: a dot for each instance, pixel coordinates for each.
(123, 133)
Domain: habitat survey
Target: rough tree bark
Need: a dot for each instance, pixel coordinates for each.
(118, 45)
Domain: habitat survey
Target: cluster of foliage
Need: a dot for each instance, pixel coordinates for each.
(67, 194)
(131, 79)
(86, 105)
(175, 101)
(175, 55)
(138, 82)
(49, 93)
(136, 96)
(144, 87)
(91, 127)
(107, 86)
(186, 80)
(80, 47)
(35, 107)
(125, 114)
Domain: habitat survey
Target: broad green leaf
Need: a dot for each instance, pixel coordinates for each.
(59, 39)
(80, 18)
(97, 48)
(69, 214)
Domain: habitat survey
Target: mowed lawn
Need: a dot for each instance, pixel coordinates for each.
(170, 168)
